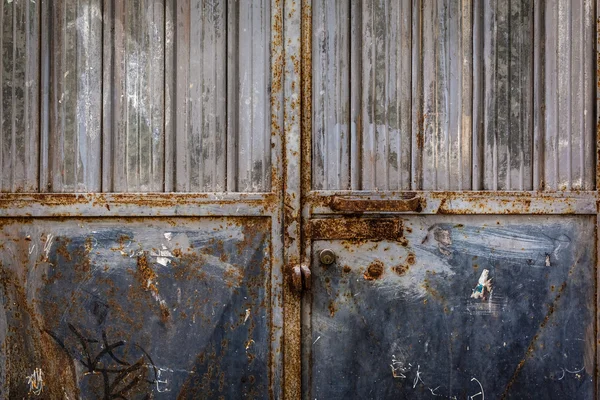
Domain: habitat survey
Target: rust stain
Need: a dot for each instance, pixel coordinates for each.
(374, 271)
(357, 229)
(332, 308)
(400, 269)
(412, 203)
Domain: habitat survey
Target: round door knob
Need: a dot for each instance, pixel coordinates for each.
(327, 256)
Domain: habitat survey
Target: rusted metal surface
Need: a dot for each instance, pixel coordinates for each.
(356, 229)
(409, 204)
(523, 339)
(138, 204)
(101, 307)
(456, 202)
(292, 85)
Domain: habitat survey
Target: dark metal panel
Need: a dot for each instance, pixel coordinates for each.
(402, 318)
(19, 95)
(136, 308)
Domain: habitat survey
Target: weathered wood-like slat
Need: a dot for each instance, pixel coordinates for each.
(508, 94)
(75, 91)
(252, 156)
(19, 95)
(136, 97)
(447, 80)
(454, 95)
(200, 99)
(331, 100)
(385, 96)
(569, 157)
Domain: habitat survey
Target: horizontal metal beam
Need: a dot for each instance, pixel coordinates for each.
(136, 204)
(476, 202)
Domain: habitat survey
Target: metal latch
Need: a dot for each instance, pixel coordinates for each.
(301, 277)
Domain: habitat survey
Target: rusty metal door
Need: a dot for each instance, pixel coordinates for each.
(318, 199)
(141, 213)
(449, 200)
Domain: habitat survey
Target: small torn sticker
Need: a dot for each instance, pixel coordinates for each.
(484, 284)
(162, 257)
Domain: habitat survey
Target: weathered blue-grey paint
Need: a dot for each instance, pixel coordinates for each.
(396, 319)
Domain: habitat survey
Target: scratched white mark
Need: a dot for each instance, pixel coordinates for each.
(48, 244)
(247, 315)
(575, 372)
(398, 368)
(418, 377)
(547, 260)
(317, 340)
(36, 382)
(31, 248)
(481, 393)
(162, 383)
(168, 236)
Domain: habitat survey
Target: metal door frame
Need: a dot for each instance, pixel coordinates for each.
(324, 203)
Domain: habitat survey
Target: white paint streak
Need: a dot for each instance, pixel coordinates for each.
(48, 244)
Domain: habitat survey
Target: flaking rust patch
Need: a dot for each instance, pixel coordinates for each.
(483, 285)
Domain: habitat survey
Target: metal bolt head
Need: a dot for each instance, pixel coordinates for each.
(327, 256)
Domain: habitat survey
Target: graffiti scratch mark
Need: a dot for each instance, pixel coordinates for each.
(481, 393)
(36, 382)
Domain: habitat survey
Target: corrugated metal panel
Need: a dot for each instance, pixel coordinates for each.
(569, 96)
(75, 96)
(200, 100)
(149, 95)
(221, 108)
(507, 84)
(446, 56)
(331, 105)
(249, 137)
(453, 95)
(135, 130)
(19, 96)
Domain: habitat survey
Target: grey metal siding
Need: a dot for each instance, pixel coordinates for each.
(136, 96)
(453, 95)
